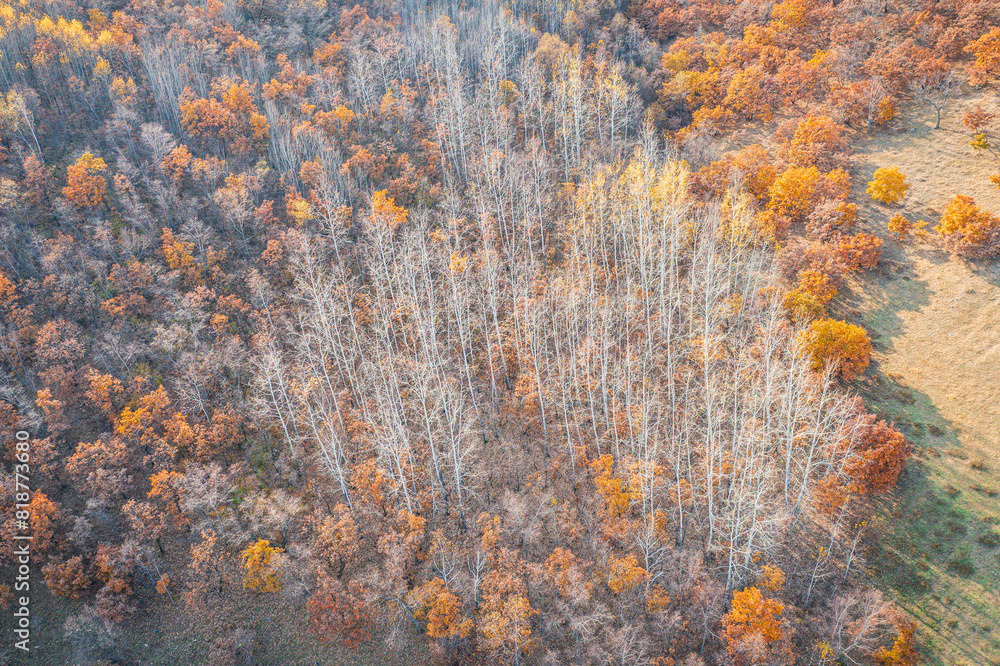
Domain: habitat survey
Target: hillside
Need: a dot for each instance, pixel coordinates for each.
(655, 332)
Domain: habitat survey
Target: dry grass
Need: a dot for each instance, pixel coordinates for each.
(935, 321)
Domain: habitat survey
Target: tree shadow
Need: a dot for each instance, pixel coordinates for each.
(986, 269)
(878, 298)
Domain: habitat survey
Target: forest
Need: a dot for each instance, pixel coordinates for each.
(469, 332)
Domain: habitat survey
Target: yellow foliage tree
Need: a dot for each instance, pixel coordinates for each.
(771, 578)
(262, 572)
(888, 185)
(809, 298)
(385, 210)
(616, 496)
(847, 345)
(903, 651)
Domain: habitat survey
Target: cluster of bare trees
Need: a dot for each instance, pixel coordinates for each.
(457, 353)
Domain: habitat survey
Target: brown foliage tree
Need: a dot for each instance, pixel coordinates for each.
(879, 457)
(205, 572)
(978, 119)
(67, 579)
(339, 611)
(114, 567)
(337, 537)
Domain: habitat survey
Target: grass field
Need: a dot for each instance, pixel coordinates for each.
(935, 326)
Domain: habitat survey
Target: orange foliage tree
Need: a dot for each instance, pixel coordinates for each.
(986, 51)
(859, 251)
(85, 186)
(228, 119)
(624, 573)
(899, 226)
(972, 231)
(44, 516)
(904, 649)
(175, 164)
(67, 579)
(751, 165)
(336, 610)
(830, 341)
(505, 613)
(816, 141)
(751, 626)
(434, 603)
(796, 192)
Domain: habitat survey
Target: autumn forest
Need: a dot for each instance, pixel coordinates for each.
(441, 332)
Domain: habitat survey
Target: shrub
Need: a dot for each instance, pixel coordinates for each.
(961, 563)
(899, 226)
(989, 539)
(888, 185)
